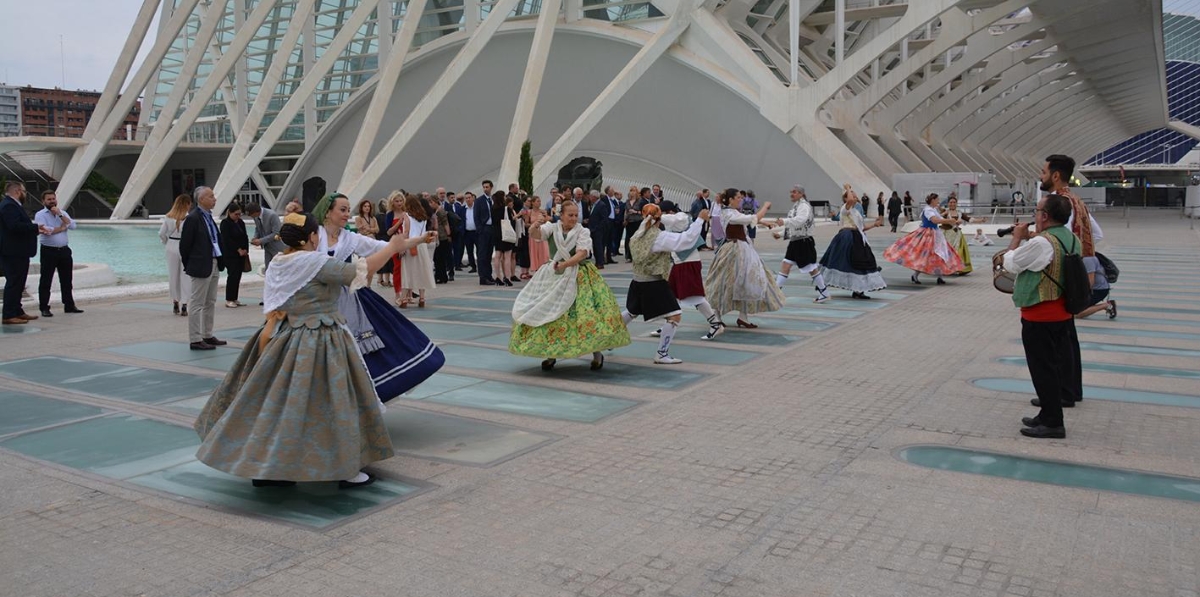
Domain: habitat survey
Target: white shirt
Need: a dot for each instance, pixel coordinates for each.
(49, 220)
(1033, 255)
(670, 242)
(348, 243)
(797, 219)
(1097, 233)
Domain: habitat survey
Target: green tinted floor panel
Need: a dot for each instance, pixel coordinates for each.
(650, 376)
(238, 334)
(318, 505)
(26, 411)
(1134, 349)
(758, 337)
(455, 331)
(804, 307)
(1051, 472)
(460, 315)
(708, 355)
(1121, 307)
(1118, 368)
(1154, 320)
(121, 382)
(146, 306)
(1112, 331)
(478, 303)
(118, 446)
(19, 329)
(498, 293)
(440, 383)
(221, 359)
(536, 401)
(1025, 386)
(457, 439)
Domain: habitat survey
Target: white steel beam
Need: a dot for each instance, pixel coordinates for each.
(113, 105)
(382, 96)
(616, 89)
(408, 129)
(527, 100)
(168, 133)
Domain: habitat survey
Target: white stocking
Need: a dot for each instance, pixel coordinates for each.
(664, 341)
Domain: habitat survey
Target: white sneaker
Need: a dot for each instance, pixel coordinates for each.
(713, 332)
(667, 360)
(231, 304)
(656, 333)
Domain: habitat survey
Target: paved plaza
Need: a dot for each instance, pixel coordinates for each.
(850, 448)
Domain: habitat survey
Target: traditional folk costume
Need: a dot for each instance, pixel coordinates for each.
(650, 295)
(848, 261)
(398, 355)
(298, 405)
(687, 279)
(802, 249)
(957, 241)
(570, 313)
(925, 250)
(738, 280)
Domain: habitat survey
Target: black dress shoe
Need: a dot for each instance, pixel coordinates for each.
(471, 271)
(351, 485)
(72, 310)
(1044, 432)
(215, 342)
(47, 313)
(201, 346)
(486, 283)
(1030, 421)
(271, 483)
(1065, 403)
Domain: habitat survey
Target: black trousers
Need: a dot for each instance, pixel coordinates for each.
(233, 280)
(469, 239)
(458, 244)
(483, 256)
(630, 229)
(615, 231)
(16, 273)
(441, 262)
(894, 220)
(1052, 365)
(56, 259)
(1075, 375)
(600, 244)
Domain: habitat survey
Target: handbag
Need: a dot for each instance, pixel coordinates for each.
(508, 234)
(1110, 269)
(246, 265)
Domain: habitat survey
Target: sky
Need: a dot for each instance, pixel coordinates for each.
(93, 33)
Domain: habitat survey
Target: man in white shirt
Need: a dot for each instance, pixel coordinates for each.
(56, 255)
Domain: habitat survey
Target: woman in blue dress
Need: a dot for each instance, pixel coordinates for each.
(398, 355)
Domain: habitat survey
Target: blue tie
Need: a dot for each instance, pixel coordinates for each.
(212, 234)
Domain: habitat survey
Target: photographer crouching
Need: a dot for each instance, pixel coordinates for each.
(1045, 322)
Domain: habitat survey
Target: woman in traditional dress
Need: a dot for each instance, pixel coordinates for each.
(416, 262)
(299, 405)
(398, 355)
(925, 249)
(738, 280)
(848, 261)
(567, 310)
(650, 296)
(952, 230)
(168, 233)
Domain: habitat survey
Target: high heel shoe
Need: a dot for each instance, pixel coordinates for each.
(508, 282)
(746, 324)
(183, 310)
(548, 364)
(421, 303)
(598, 364)
(175, 307)
(941, 281)
(914, 279)
(402, 303)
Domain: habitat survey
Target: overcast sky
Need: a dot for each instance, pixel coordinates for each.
(93, 32)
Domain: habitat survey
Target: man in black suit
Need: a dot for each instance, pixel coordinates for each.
(894, 206)
(457, 212)
(617, 226)
(18, 244)
(200, 252)
(484, 239)
(600, 223)
(699, 204)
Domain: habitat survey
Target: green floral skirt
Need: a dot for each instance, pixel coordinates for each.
(593, 323)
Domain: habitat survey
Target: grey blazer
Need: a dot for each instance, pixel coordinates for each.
(266, 226)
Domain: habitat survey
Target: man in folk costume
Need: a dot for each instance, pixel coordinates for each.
(650, 295)
(686, 279)
(801, 249)
(1055, 179)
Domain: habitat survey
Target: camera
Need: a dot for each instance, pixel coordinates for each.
(1003, 232)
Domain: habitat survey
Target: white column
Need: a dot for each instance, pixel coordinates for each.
(839, 30)
(794, 41)
(308, 59)
(527, 100)
(454, 71)
(382, 96)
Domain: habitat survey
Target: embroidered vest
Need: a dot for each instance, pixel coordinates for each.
(645, 261)
(1035, 287)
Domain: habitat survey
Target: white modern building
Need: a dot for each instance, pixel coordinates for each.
(367, 96)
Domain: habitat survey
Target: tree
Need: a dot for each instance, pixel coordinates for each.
(525, 169)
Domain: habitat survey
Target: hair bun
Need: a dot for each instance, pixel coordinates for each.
(295, 219)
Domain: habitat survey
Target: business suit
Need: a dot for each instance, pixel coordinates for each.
(266, 226)
(616, 228)
(893, 209)
(233, 238)
(18, 244)
(600, 226)
(458, 232)
(196, 244)
(484, 239)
